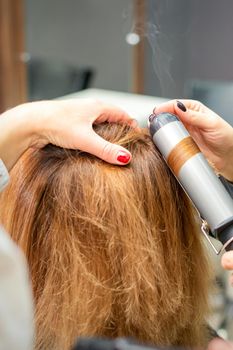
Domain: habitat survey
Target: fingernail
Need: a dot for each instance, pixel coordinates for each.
(123, 157)
(181, 106)
(152, 117)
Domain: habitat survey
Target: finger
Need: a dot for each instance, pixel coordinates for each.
(113, 114)
(166, 107)
(187, 113)
(170, 106)
(231, 279)
(109, 152)
(227, 260)
(192, 117)
(187, 116)
(219, 344)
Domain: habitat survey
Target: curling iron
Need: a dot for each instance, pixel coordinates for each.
(196, 176)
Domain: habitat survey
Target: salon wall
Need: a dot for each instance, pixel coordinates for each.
(186, 40)
(85, 33)
(194, 41)
(166, 46)
(210, 47)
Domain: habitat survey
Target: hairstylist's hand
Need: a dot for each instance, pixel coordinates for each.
(218, 344)
(213, 135)
(65, 123)
(227, 263)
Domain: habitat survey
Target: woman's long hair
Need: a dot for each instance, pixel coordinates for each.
(113, 251)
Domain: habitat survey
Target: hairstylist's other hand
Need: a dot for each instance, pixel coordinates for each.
(219, 344)
(66, 123)
(227, 263)
(213, 135)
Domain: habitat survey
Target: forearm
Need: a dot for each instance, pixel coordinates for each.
(227, 156)
(16, 133)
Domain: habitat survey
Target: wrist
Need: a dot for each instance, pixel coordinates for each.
(224, 165)
(227, 170)
(17, 133)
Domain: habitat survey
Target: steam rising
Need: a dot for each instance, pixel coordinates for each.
(161, 59)
(165, 28)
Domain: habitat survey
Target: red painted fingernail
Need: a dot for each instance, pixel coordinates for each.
(123, 157)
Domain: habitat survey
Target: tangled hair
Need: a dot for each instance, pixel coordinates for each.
(113, 251)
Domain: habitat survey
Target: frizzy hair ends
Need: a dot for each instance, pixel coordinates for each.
(113, 251)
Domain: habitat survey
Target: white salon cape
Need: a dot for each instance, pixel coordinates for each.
(16, 305)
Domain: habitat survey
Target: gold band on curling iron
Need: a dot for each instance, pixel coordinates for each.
(182, 152)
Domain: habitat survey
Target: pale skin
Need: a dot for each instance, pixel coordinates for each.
(218, 344)
(214, 137)
(67, 124)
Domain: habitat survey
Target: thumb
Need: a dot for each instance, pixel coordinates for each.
(220, 344)
(227, 260)
(107, 151)
(192, 117)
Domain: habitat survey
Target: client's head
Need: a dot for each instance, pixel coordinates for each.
(113, 251)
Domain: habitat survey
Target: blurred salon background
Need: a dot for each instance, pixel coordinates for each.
(134, 53)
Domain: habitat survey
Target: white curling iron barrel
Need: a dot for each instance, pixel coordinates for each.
(195, 175)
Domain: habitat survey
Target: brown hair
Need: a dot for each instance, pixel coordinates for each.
(113, 251)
